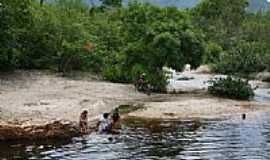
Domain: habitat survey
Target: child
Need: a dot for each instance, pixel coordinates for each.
(104, 124)
(84, 122)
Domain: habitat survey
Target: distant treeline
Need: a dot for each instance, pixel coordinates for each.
(254, 5)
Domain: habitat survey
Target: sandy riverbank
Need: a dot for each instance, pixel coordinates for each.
(38, 99)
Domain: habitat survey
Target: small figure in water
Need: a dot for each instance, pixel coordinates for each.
(243, 116)
(114, 124)
(142, 85)
(115, 115)
(104, 124)
(84, 122)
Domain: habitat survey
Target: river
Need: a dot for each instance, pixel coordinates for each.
(230, 138)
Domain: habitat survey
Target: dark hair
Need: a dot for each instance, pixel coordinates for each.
(106, 115)
(85, 112)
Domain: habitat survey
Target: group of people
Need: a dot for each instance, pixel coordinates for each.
(107, 124)
(108, 121)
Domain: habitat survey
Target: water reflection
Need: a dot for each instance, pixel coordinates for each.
(227, 139)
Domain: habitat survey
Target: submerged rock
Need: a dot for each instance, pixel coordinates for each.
(52, 130)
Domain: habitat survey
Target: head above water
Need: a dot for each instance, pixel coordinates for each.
(85, 112)
(106, 115)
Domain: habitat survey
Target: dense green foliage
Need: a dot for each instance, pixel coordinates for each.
(244, 59)
(15, 20)
(238, 41)
(230, 87)
(153, 37)
(122, 42)
(220, 19)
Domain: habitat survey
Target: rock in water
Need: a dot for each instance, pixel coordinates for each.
(55, 129)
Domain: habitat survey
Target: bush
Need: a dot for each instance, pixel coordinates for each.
(115, 74)
(230, 87)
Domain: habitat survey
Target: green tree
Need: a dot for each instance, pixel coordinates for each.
(221, 19)
(153, 37)
(15, 21)
(111, 3)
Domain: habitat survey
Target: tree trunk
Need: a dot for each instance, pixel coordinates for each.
(41, 2)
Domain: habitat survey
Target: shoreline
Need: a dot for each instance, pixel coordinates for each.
(35, 98)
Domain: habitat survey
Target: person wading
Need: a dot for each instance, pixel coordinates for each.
(83, 122)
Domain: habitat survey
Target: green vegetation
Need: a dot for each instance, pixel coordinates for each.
(243, 59)
(125, 109)
(122, 42)
(230, 87)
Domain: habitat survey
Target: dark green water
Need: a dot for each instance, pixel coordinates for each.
(217, 139)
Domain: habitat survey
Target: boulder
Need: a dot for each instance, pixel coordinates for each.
(263, 76)
(51, 130)
(205, 69)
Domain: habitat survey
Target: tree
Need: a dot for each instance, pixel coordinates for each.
(15, 20)
(220, 19)
(111, 3)
(41, 2)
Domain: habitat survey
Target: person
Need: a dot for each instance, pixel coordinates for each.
(104, 124)
(142, 85)
(115, 115)
(114, 124)
(84, 122)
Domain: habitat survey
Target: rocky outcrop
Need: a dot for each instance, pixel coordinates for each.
(52, 130)
(205, 69)
(263, 76)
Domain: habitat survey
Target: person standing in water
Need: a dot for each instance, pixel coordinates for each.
(115, 115)
(83, 122)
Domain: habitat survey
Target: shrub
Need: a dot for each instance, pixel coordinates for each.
(230, 87)
(115, 74)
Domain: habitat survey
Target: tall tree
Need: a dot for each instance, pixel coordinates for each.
(111, 3)
(15, 20)
(220, 19)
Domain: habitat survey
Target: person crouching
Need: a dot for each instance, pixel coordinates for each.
(104, 125)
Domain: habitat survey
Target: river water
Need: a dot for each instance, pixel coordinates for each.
(223, 139)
